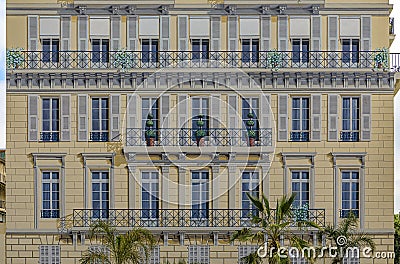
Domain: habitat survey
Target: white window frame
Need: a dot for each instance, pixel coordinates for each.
(51, 119)
(302, 130)
(151, 61)
(100, 181)
(350, 182)
(203, 183)
(245, 250)
(351, 39)
(301, 63)
(253, 182)
(198, 254)
(151, 181)
(100, 63)
(100, 117)
(153, 101)
(200, 51)
(351, 115)
(51, 181)
(251, 61)
(49, 254)
(301, 181)
(205, 111)
(351, 260)
(51, 52)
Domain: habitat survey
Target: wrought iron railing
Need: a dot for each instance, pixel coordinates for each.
(344, 213)
(98, 136)
(49, 136)
(179, 218)
(187, 137)
(350, 136)
(300, 136)
(213, 59)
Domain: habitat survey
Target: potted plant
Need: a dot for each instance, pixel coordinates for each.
(150, 132)
(381, 59)
(14, 58)
(274, 59)
(200, 133)
(124, 60)
(250, 132)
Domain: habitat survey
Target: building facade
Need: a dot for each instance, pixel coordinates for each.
(164, 114)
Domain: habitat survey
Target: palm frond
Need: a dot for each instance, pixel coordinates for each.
(90, 257)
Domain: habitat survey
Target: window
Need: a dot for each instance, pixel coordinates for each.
(351, 48)
(200, 106)
(200, 48)
(51, 121)
(149, 50)
(298, 259)
(351, 260)
(250, 184)
(100, 194)
(49, 254)
(301, 48)
(350, 193)
(50, 49)
(250, 49)
(199, 254)
(150, 106)
(251, 105)
(100, 119)
(300, 119)
(301, 187)
(244, 251)
(50, 194)
(154, 255)
(350, 119)
(200, 196)
(150, 194)
(100, 49)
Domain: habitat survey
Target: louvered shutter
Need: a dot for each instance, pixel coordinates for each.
(333, 33)
(83, 117)
(132, 33)
(132, 112)
(316, 33)
(283, 117)
(183, 33)
(366, 112)
(165, 108)
(215, 111)
(265, 111)
(115, 32)
(215, 33)
(182, 111)
(65, 117)
(83, 43)
(366, 29)
(33, 33)
(233, 33)
(333, 107)
(233, 111)
(316, 111)
(282, 33)
(165, 33)
(65, 33)
(33, 110)
(115, 100)
(265, 32)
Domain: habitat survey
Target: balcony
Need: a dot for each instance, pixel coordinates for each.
(49, 136)
(99, 136)
(130, 60)
(224, 137)
(174, 218)
(300, 136)
(350, 136)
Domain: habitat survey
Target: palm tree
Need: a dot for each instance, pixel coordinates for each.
(132, 247)
(346, 235)
(274, 223)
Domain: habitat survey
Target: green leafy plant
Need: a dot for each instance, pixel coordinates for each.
(250, 123)
(200, 133)
(132, 247)
(124, 60)
(301, 213)
(274, 59)
(251, 134)
(381, 58)
(275, 223)
(347, 228)
(14, 58)
(150, 132)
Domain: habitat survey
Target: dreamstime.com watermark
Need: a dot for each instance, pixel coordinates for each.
(325, 252)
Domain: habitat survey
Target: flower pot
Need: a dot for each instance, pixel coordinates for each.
(150, 142)
(200, 142)
(252, 142)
